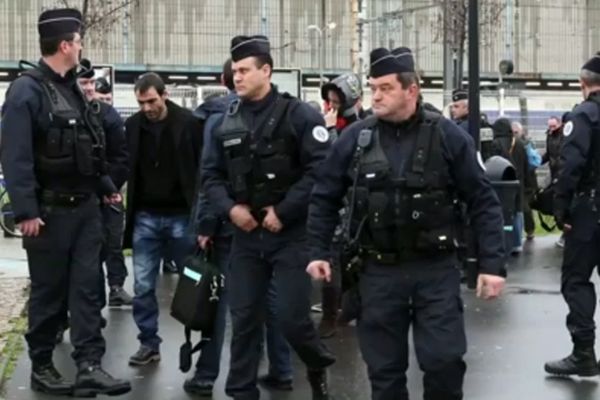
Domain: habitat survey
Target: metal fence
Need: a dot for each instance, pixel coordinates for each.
(541, 36)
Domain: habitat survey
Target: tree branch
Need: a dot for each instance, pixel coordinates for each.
(111, 12)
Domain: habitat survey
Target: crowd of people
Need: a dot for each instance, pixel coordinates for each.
(278, 193)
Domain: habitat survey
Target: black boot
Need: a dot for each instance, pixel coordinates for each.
(582, 362)
(46, 379)
(318, 383)
(198, 386)
(93, 380)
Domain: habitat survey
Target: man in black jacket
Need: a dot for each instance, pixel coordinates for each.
(554, 139)
(164, 143)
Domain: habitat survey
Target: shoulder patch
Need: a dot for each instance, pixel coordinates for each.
(320, 134)
(568, 129)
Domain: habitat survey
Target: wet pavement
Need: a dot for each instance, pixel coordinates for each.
(509, 340)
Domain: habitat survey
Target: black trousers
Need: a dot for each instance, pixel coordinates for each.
(256, 258)
(63, 266)
(112, 250)
(581, 257)
(393, 298)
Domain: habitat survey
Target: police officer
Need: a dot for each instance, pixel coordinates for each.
(259, 172)
(112, 214)
(54, 158)
(407, 169)
(459, 109)
(576, 206)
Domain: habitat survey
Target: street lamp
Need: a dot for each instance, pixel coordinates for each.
(330, 26)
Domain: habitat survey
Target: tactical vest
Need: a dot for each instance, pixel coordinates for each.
(260, 170)
(410, 216)
(73, 142)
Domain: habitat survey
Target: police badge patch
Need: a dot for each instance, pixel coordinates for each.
(568, 129)
(320, 134)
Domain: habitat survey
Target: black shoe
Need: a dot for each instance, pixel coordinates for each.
(46, 379)
(271, 382)
(318, 383)
(327, 328)
(144, 356)
(581, 362)
(92, 380)
(169, 267)
(118, 297)
(199, 387)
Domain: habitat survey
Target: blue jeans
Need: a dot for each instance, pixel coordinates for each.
(152, 235)
(518, 229)
(278, 349)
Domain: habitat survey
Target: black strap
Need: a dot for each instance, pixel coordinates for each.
(281, 105)
(543, 223)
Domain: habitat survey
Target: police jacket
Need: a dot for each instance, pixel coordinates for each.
(578, 184)
(249, 163)
(463, 123)
(411, 187)
(187, 135)
(206, 221)
(554, 141)
(53, 140)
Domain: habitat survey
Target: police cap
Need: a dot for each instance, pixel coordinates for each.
(405, 56)
(383, 62)
(459, 94)
(86, 70)
(58, 22)
(593, 64)
(248, 46)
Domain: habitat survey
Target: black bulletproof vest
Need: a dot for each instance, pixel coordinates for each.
(73, 142)
(591, 173)
(261, 169)
(413, 213)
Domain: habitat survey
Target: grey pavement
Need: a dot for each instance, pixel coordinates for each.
(509, 340)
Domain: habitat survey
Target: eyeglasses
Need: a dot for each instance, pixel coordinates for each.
(78, 41)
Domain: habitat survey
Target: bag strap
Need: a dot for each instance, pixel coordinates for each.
(281, 105)
(544, 225)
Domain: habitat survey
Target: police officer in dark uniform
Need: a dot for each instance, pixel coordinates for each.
(576, 205)
(407, 169)
(54, 155)
(259, 172)
(459, 109)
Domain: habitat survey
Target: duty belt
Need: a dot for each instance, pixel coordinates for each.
(395, 259)
(52, 198)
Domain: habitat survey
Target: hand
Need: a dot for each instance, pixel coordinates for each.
(114, 198)
(331, 118)
(271, 222)
(31, 227)
(203, 241)
(242, 218)
(319, 270)
(489, 286)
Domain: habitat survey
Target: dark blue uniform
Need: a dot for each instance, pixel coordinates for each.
(118, 159)
(65, 255)
(260, 255)
(463, 123)
(424, 291)
(576, 203)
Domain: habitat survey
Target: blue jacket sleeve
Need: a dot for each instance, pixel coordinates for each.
(214, 174)
(19, 115)
(475, 190)
(328, 194)
(314, 142)
(117, 153)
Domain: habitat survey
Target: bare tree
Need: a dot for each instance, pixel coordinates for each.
(452, 24)
(100, 16)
